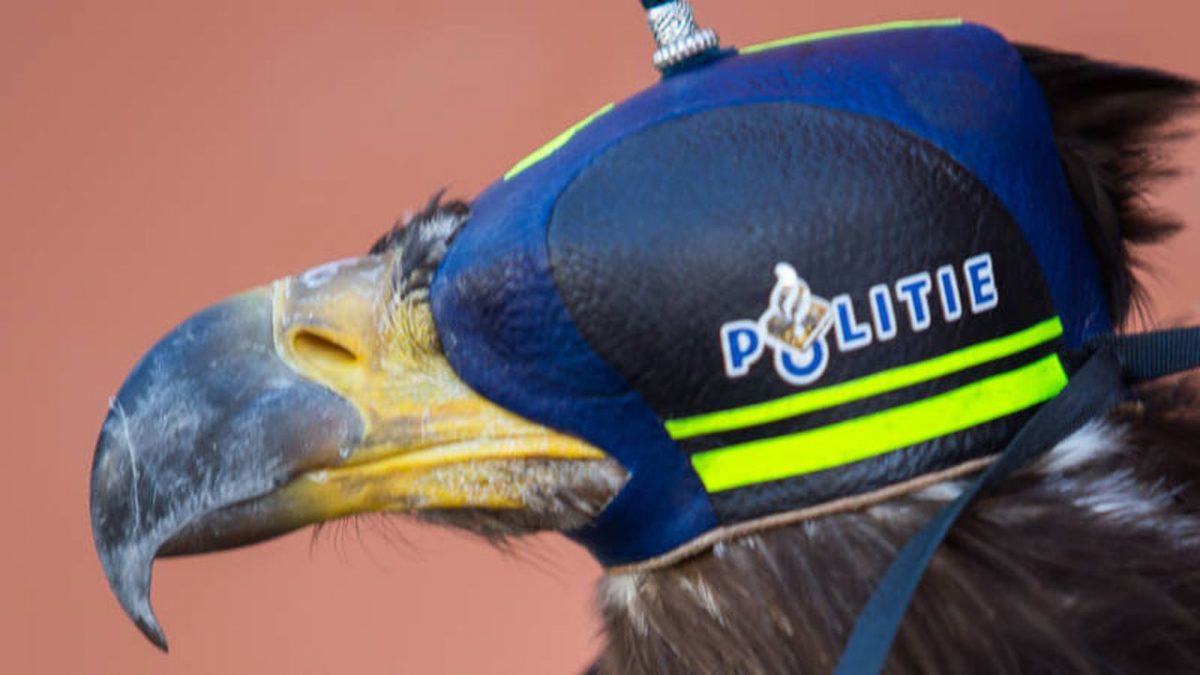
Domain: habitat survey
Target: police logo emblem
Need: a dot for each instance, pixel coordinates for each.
(794, 326)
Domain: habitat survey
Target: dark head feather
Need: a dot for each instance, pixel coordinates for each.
(402, 231)
(420, 242)
(1111, 124)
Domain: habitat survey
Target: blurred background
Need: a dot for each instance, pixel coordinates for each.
(158, 156)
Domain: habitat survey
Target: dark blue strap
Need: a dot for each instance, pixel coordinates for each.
(1149, 356)
(1092, 391)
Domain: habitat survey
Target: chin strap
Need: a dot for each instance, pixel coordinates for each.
(1098, 385)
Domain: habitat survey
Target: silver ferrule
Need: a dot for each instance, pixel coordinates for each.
(677, 35)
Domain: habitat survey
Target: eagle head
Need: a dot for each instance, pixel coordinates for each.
(593, 346)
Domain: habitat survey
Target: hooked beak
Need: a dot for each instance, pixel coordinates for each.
(210, 417)
(320, 396)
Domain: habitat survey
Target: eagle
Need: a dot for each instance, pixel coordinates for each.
(579, 350)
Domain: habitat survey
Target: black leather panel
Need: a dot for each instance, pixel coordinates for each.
(652, 260)
(678, 229)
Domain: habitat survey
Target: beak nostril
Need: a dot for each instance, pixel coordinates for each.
(321, 349)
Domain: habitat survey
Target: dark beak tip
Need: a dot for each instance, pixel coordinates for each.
(153, 632)
(143, 617)
(129, 577)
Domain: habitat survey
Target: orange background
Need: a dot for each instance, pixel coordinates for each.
(158, 156)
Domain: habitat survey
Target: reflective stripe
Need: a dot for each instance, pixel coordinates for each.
(878, 433)
(555, 143)
(863, 387)
(856, 30)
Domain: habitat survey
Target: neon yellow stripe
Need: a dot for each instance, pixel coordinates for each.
(841, 32)
(878, 433)
(863, 387)
(555, 143)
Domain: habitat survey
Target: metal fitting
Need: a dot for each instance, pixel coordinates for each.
(677, 35)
